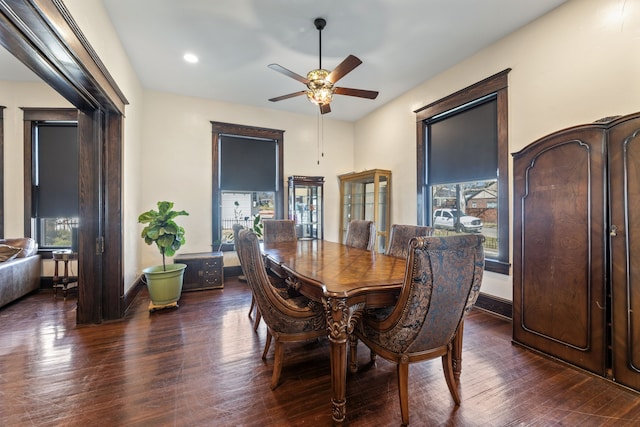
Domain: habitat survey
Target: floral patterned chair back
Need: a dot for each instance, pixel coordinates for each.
(278, 230)
(236, 229)
(401, 234)
(361, 234)
(441, 285)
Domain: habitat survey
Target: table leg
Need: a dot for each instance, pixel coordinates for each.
(56, 278)
(65, 280)
(353, 354)
(341, 320)
(355, 312)
(457, 352)
(337, 313)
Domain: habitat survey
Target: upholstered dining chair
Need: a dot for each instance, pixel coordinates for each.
(236, 229)
(442, 282)
(287, 319)
(361, 234)
(274, 231)
(278, 230)
(400, 235)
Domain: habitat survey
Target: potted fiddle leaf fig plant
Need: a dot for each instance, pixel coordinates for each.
(164, 282)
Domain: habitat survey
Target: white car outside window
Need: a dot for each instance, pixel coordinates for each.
(448, 219)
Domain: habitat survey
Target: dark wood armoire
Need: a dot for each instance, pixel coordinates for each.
(576, 257)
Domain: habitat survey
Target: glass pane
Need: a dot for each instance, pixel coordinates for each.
(357, 201)
(56, 232)
(381, 223)
(369, 200)
(307, 211)
(382, 205)
(242, 208)
(467, 207)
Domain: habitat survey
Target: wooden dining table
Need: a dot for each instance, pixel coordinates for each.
(346, 281)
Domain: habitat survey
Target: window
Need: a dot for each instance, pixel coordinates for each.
(248, 181)
(244, 208)
(51, 176)
(247, 176)
(55, 183)
(462, 162)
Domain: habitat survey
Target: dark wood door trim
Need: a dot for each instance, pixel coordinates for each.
(43, 35)
(113, 302)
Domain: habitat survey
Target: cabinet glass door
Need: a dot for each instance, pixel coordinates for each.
(382, 217)
(365, 196)
(305, 206)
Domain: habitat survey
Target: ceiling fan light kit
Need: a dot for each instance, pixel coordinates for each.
(320, 89)
(320, 82)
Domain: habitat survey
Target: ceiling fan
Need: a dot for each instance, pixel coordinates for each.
(320, 82)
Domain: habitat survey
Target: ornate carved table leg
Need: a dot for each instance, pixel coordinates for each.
(341, 320)
(337, 313)
(457, 352)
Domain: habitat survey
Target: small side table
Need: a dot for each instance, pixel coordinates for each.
(64, 282)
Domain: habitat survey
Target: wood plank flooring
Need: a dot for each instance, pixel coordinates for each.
(200, 365)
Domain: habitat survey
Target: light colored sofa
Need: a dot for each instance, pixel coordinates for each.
(20, 270)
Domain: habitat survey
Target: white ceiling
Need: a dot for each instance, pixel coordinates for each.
(401, 43)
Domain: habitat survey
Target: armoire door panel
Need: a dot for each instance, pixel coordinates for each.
(624, 178)
(555, 302)
(559, 294)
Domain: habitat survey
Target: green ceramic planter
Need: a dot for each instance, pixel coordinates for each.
(164, 287)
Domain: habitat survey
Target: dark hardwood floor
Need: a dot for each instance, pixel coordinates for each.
(200, 365)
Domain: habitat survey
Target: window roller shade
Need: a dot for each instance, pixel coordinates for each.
(248, 164)
(464, 145)
(58, 186)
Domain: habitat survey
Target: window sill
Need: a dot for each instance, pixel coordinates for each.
(496, 266)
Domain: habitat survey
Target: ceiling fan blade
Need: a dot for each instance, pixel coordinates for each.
(286, 72)
(326, 108)
(287, 96)
(360, 93)
(343, 68)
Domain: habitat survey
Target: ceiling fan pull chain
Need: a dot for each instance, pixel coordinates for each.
(318, 118)
(320, 138)
(322, 141)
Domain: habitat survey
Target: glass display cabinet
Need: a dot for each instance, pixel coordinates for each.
(366, 195)
(306, 205)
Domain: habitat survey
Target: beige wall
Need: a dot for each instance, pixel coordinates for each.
(168, 131)
(178, 136)
(572, 66)
(575, 65)
(164, 130)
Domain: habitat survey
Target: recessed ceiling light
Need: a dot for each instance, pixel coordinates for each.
(190, 57)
